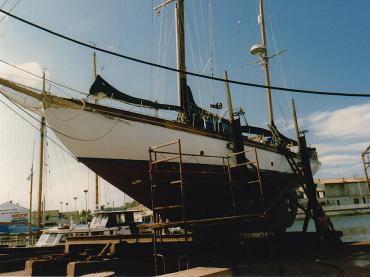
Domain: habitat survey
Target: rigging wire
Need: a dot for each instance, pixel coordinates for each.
(195, 64)
(157, 79)
(151, 52)
(282, 74)
(56, 155)
(211, 46)
(35, 127)
(167, 41)
(200, 58)
(11, 9)
(138, 60)
(3, 4)
(61, 133)
(47, 80)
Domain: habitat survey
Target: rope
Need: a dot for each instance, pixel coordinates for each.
(130, 58)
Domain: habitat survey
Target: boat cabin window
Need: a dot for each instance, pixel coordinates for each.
(113, 220)
(42, 239)
(51, 238)
(99, 220)
(129, 217)
(120, 219)
(62, 238)
(147, 219)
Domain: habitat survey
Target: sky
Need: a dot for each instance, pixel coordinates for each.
(326, 43)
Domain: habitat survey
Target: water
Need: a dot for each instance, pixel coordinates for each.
(354, 227)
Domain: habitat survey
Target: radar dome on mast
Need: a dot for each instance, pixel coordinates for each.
(259, 50)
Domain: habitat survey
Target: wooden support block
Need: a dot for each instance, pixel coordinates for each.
(45, 267)
(88, 267)
(202, 271)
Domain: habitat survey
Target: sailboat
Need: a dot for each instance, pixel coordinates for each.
(114, 142)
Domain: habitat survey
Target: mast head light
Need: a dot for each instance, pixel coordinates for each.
(259, 50)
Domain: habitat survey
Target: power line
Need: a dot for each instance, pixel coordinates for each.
(183, 71)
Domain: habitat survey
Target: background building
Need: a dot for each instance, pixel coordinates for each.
(13, 218)
(345, 191)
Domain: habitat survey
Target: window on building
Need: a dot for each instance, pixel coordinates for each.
(363, 199)
(321, 194)
(338, 202)
(356, 201)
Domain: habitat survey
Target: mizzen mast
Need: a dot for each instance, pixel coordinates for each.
(261, 51)
(266, 63)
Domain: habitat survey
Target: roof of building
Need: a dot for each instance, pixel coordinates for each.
(10, 206)
(336, 181)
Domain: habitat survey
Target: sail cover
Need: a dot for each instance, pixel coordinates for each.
(190, 107)
(102, 86)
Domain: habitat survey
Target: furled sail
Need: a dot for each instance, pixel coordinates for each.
(102, 86)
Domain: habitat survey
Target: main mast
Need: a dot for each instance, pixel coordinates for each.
(180, 52)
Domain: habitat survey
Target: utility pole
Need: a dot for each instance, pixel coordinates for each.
(85, 191)
(60, 212)
(42, 137)
(75, 198)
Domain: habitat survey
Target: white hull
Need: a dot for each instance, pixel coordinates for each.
(93, 135)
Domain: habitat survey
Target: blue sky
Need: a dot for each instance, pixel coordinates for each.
(326, 43)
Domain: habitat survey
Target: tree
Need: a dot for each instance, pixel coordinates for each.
(130, 205)
(85, 216)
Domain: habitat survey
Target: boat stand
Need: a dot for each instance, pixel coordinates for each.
(302, 172)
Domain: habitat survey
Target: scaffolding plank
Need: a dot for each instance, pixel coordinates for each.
(168, 207)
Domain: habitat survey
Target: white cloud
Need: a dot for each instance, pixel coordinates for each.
(347, 123)
(329, 148)
(19, 76)
(341, 135)
(340, 159)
